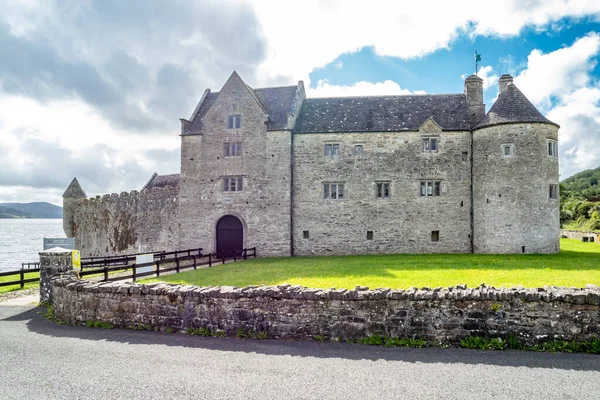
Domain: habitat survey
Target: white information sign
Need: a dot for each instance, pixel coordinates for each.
(144, 259)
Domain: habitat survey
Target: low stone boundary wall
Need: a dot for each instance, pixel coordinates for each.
(443, 315)
(581, 235)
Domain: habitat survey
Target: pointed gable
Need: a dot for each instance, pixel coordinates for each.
(74, 190)
(276, 102)
(430, 126)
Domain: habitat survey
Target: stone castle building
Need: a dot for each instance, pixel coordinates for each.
(290, 175)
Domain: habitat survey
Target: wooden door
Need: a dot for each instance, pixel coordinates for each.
(230, 237)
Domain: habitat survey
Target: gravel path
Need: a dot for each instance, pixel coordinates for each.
(43, 360)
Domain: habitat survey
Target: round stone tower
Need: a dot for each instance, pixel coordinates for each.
(71, 198)
(515, 177)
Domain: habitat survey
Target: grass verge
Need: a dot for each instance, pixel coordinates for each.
(576, 265)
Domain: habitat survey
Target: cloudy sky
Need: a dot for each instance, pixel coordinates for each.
(95, 88)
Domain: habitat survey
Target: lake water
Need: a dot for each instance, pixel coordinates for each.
(22, 239)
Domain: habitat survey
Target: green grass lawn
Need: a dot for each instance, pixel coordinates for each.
(576, 265)
(28, 275)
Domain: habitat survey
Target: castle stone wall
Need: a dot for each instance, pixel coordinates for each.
(443, 315)
(401, 223)
(263, 206)
(126, 223)
(512, 209)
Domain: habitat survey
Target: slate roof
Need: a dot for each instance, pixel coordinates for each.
(512, 107)
(276, 101)
(74, 190)
(382, 113)
(160, 181)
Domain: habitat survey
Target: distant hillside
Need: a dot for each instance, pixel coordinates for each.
(6, 212)
(30, 210)
(585, 184)
(580, 201)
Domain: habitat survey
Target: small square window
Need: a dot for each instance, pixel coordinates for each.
(234, 122)
(233, 184)
(508, 150)
(435, 236)
(358, 149)
(465, 156)
(552, 148)
(305, 234)
(232, 149)
(553, 192)
(332, 149)
(430, 188)
(383, 190)
(333, 191)
(369, 235)
(430, 144)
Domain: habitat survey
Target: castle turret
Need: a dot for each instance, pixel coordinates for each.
(515, 177)
(474, 94)
(71, 197)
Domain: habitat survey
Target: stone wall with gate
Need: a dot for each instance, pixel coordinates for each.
(443, 315)
(581, 235)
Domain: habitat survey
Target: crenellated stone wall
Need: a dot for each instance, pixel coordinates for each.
(444, 315)
(126, 223)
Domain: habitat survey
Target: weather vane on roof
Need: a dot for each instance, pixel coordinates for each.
(477, 59)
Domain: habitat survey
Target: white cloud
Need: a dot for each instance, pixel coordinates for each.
(561, 85)
(560, 72)
(326, 29)
(325, 89)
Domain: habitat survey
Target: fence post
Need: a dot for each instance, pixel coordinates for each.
(22, 275)
(134, 271)
(194, 261)
(177, 265)
(105, 273)
(157, 268)
(209, 260)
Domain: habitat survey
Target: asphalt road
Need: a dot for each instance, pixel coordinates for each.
(42, 360)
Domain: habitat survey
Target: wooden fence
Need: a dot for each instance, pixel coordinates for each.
(21, 281)
(164, 262)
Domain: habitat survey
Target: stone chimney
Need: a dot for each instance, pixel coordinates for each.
(504, 81)
(474, 94)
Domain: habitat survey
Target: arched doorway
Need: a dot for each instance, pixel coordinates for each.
(230, 236)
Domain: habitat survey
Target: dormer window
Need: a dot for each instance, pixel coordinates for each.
(234, 122)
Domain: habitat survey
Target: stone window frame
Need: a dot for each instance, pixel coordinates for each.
(430, 188)
(331, 191)
(435, 236)
(331, 149)
(553, 191)
(233, 183)
(430, 144)
(380, 189)
(232, 149)
(369, 235)
(507, 146)
(362, 149)
(552, 146)
(234, 121)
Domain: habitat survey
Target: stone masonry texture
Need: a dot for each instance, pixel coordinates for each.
(442, 315)
(487, 203)
(512, 209)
